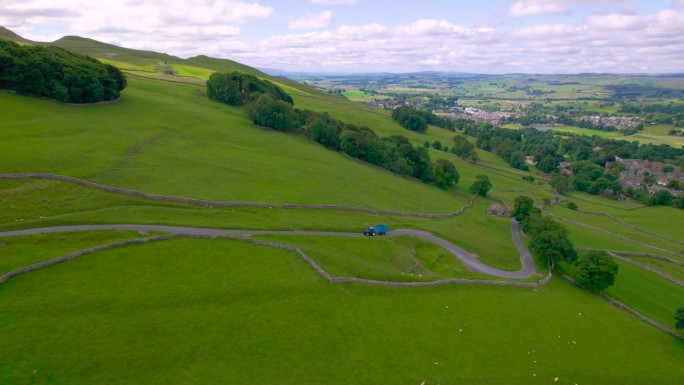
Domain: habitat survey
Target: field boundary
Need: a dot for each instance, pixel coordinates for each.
(598, 213)
(612, 234)
(460, 211)
(615, 255)
(322, 272)
(649, 255)
(209, 203)
(470, 261)
(621, 305)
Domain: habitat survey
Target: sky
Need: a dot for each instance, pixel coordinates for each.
(362, 36)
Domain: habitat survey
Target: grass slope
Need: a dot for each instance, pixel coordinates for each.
(221, 311)
(24, 251)
(389, 259)
(168, 138)
(62, 203)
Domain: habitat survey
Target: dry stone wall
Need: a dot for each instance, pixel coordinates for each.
(208, 203)
(118, 190)
(621, 305)
(290, 248)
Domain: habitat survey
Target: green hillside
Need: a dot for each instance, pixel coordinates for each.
(6, 34)
(221, 311)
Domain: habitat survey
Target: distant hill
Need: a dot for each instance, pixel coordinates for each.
(141, 60)
(9, 35)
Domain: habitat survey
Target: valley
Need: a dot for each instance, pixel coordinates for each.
(225, 306)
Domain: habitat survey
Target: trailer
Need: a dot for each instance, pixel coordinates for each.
(376, 230)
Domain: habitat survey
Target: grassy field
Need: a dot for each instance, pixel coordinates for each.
(23, 251)
(361, 96)
(646, 292)
(657, 134)
(389, 259)
(664, 230)
(585, 131)
(62, 203)
(666, 267)
(220, 311)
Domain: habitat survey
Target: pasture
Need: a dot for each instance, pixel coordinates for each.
(207, 311)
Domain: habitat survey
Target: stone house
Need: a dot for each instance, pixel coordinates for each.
(497, 209)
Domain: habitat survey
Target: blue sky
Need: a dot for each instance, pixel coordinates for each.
(485, 36)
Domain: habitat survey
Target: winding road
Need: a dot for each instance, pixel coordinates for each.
(469, 260)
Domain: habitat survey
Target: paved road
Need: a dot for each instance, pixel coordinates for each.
(468, 259)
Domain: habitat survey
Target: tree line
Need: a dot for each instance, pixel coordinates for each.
(657, 113)
(595, 170)
(418, 120)
(549, 242)
(538, 113)
(269, 106)
(237, 88)
(514, 146)
(55, 73)
(592, 160)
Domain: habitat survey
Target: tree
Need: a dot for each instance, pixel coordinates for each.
(674, 184)
(597, 270)
(522, 208)
(463, 148)
(561, 183)
(415, 123)
(679, 317)
(538, 224)
(548, 164)
(445, 174)
(56, 73)
(572, 205)
(237, 88)
(271, 113)
(327, 135)
(662, 197)
(553, 246)
(481, 185)
(649, 179)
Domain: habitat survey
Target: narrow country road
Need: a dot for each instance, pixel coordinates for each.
(469, 260)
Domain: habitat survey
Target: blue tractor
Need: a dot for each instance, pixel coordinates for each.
(376, 230)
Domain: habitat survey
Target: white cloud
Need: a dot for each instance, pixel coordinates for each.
(173, 25)
(430, 27)
(312, 21)
(368, 31)
(608, 41)
(678, 3)
(617, 22)
(333, 2)
(525, 8)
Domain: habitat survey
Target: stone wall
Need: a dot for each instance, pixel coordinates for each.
(118, 190)
(50, 262)
(615, 255)
(294, 249)
(207, 203)
(377, 211)
(621, 305)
